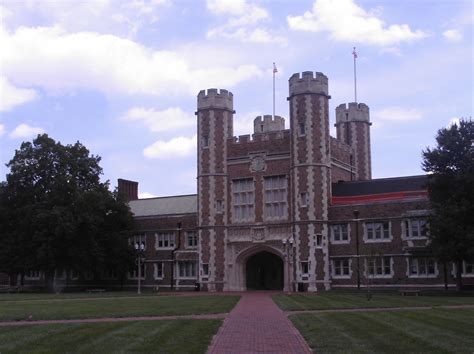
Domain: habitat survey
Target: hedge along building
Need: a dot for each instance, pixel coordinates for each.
(287, 208)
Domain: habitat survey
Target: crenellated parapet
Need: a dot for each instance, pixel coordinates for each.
(308, 82)
(215, 99)
(354, 112)
(268, 123)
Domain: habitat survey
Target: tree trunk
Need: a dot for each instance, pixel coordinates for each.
(459, 276)
(445, 273)
(49, 281)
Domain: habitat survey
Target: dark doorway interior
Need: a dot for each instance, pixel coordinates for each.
(264, 271)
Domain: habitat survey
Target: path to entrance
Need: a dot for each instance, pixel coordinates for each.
(257, 325)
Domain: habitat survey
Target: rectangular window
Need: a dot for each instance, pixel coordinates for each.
(341, 268)
(191, 239)
(205, 141)
(379, 267)
(468, 268)
(159, 269)
(73, 274)
(416, 228)
(134, 273)
(301, 129)
(340, 233)
(219, 206)
(375, 231)
(275, 197)
(303, 199)
(33, 274)
(205, 270)
(304, 268)
(165, 240)
(187, 269)
(422, 267)
(109, 274)
(243, 199)
(319, 240)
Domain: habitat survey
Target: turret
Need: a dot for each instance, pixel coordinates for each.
(353, 128)
(215, 111)
(311, 170)
(267, 123)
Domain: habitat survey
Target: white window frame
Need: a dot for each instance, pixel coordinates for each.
(187, 235)
(282, 203)
(168, 237)
(421, 263)
(335, 266)
(303, 265)
(383, 259)
(239, 206)
(336, 227)
(156, 272)
(407, 229)
(373, 225)
(179, 264)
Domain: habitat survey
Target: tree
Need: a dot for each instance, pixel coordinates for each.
(451, 193)
(59, 215)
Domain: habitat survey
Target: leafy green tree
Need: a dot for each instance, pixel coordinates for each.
(451, 193)
(59, 215)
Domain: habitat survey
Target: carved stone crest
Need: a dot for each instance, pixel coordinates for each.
(258, 234)
(257, 163)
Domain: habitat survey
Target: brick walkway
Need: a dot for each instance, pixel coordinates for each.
(257, 325)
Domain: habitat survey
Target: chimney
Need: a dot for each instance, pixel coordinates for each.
(128, 189)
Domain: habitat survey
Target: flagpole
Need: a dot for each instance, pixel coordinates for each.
(274, 91)
(355, 74)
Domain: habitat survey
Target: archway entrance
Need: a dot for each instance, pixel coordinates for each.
(264, 271)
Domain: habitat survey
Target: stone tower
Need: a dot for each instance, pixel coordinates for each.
(353, 128)
(310, 175)
(215, 118)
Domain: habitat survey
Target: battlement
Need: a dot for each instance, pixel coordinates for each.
(266, 123)
(260, 137)
(308, 82)
(353, 111)
(213, 98)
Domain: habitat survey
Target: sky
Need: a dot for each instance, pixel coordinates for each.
(122, 77)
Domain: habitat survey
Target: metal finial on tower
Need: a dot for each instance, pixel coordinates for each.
(354, 53)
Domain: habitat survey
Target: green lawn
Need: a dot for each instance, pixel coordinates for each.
(47, 309)
(420, 331)
(339, 300)
(176, 336)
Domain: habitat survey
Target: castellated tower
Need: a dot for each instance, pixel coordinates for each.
(310, 174)
(215, 116)
(353, 128)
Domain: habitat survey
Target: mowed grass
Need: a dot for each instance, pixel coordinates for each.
(78, 308)
(175, 336)
(339, 300)
(420, 331)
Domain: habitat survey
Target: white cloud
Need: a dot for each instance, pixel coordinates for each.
(174, 148)
(11, 96)
(2, 129)
(397, 114)
(49, 57)
(452, 121)
(243, 124)
(172, 118)
(25, 131)
(243, 23)
(146, 195)
(452, 35)
(348, 22)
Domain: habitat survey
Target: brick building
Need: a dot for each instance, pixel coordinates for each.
(288, 208)
(291, 209)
